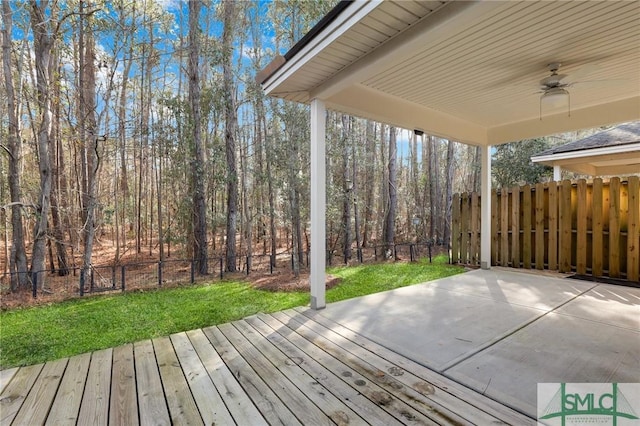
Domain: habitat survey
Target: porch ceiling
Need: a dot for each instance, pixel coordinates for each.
(469, 71)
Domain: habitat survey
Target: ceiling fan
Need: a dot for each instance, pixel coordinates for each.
(554, 87)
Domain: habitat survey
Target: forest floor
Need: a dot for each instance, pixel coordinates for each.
(141, 270)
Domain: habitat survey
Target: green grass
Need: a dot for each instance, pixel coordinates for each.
(43, 333)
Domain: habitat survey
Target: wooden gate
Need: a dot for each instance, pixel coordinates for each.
(591, 228)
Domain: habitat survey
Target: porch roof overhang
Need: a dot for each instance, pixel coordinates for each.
(468, 70)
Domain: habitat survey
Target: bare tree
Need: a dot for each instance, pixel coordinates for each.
(449, 192)
(18, 257)
(347, 188)
(199, 205)
(44, 33)
(392, 203)
(230, 134)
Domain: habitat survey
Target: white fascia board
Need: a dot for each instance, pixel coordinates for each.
(586, 153)
(342, 23)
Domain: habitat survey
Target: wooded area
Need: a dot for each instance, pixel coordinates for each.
(151, 140)
(591, 228)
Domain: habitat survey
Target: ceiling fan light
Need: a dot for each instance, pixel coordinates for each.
(556, 96)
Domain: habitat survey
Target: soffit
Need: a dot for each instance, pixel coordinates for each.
(470, 70)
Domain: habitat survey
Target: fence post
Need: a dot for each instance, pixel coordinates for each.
(429, 252)
(35, 284)
(411, 254)
(123, 275)
(160, 274)
(82, 282)
(113, 277)
(271, 262)
(91, 280)
(248, 265)
(193, 271)
(221, 269)
(395, 252)
(360, 254)
(375, 252)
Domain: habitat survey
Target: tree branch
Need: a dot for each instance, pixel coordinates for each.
(8, 152)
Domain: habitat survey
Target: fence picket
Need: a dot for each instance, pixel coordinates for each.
(581, 237)
(504, 227)
(526, 226)
(596, 229)
(633, 229)
(614, 227)
(474, 244)
(539, 241)
(565, 226)
(552, 251)
(494, 227)
(515, 227)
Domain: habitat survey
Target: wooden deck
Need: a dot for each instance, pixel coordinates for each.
(288, 368)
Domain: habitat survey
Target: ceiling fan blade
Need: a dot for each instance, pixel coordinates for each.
(580, 73)
(599, 83)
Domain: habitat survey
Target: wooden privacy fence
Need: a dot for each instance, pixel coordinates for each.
(591, 228)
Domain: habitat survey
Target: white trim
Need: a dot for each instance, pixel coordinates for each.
(557, 173)
(589, 152)
(485, 208)
(318, 205)
(349, 17)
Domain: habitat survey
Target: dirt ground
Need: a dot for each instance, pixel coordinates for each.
(278, 281)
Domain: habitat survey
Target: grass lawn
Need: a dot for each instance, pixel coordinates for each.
(43, 333)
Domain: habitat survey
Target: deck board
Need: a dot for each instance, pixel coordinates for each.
(41, 396)
(373, 382)
(331, 407)
(6, 376)
(182, 407)
(123, 409)
(236, 400)
(15, 393)
(272, 408)
(291, 367)
(66, 404)
(94, 409)
(152, 405)
(206, 396)
(328, 371)
(460, 394)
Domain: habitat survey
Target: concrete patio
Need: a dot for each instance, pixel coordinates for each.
(501, 332)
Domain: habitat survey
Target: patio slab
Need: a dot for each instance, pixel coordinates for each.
(442, 322)
(501, 332)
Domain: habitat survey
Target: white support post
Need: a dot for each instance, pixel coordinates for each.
(318, 205)
(485, 218)
(557, 173)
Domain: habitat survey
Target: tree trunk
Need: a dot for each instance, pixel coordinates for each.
(199, 204)
(230, 134)
(57, 162)
(354, 189)
(88, 111)
(370, 156)
(346, 196)
(449, 193)
(43, 42)
(390, 218)
(18, 257)
(432, 189)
